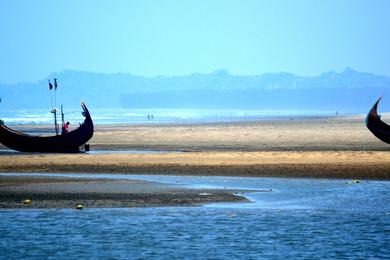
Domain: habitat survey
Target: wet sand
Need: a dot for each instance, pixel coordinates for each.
(320, 164)
(59, 192)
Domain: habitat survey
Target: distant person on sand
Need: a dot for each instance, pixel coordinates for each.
(65, 128)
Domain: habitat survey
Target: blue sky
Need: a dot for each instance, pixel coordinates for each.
(305, 37)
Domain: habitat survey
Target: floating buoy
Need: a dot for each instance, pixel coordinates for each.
(79, 206)
(27, 202)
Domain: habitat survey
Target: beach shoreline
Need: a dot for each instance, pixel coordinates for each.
(327, 148)
(64, 192)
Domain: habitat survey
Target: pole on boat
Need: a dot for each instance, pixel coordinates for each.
(62, 119)
(62, 115)
(50, 88)
(55, 105)
(54, 109)
(55, 92)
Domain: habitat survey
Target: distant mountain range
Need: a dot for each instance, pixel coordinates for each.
(347, 92)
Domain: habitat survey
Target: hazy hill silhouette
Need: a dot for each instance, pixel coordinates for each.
(348, 91)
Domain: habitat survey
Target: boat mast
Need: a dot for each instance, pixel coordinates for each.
(62, 119)
(55, 106)
(54, 109)
(62, 115)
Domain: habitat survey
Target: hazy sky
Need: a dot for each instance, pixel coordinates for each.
(305, 37)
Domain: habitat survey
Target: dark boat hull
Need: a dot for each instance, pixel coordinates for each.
(66, 143)
(376, 125)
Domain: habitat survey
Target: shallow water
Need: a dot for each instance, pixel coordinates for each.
(143, 116)
(300, 218)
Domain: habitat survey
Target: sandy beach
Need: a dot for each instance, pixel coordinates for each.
(329, 164)
(285, 134)
(338, 147)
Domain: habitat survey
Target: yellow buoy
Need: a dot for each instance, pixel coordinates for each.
(27, 202)
(79, 206)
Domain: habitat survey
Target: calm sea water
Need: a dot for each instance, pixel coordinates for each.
(142, 116)
(300, 218)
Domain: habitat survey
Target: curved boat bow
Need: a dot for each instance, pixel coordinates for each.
(376, 125)
(66, 143)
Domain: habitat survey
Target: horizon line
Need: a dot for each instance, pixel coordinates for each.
(217, 71)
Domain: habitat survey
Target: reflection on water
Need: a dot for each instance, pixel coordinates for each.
(300, 218)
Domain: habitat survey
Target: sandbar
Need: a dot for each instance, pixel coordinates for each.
(60, 192)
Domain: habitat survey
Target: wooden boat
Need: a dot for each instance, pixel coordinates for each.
(376, 125)
(70, 142)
